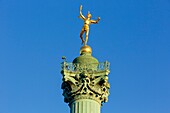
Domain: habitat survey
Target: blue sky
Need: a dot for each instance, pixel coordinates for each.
(133, 35)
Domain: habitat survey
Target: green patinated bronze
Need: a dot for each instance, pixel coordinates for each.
(85, 81)
(86, 58)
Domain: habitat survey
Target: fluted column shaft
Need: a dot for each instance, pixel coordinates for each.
(85, 106)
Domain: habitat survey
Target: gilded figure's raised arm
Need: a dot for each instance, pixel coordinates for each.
(95, 21)
(81, 15)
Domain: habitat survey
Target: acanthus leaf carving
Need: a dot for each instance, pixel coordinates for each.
(86, 83)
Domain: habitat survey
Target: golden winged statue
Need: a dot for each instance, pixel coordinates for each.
(87, 22)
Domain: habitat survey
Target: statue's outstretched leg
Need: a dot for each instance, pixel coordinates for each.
(87, 34)
(81, 36)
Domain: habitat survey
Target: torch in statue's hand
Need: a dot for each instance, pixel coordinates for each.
(81, 7)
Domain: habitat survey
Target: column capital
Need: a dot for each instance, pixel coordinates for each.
(85, 82)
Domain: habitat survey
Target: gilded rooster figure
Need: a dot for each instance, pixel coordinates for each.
(87, 22)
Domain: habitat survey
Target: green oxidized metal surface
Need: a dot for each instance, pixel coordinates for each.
(85, 82)
(86, 59)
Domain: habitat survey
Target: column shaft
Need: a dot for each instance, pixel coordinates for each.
(85, 106)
